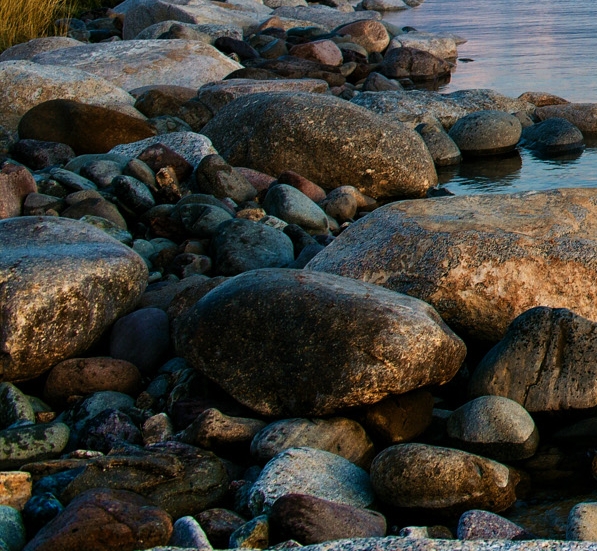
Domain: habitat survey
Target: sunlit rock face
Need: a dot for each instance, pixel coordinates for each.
(62, 282)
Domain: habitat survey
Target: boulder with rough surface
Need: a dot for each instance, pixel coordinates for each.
(325, 139)
(64, 283)
(581, 115)
(372, 342)
(134, 63)
(480, 260)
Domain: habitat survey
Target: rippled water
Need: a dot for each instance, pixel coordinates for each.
(518, 46)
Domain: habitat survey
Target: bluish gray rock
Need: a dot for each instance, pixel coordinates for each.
(12, 529)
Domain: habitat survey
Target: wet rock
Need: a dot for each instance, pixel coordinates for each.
(486, 133)
(252, 535)
(337, 435)
(508, 242)
(292, 206)
(310, 472)
(122, 520)
(483, 525)
(276, 385)
(85, 128)
(553, 136)
(441, 146)
(74, 269)
(16, 182)
(310, 520)
(495, 427)
(543, 362)
(15, 489)
(417, 65)
(25, 444)
(134, 63)
(142, 338)
(441, 480)
(397, 419)
(239, 133)
(26, 84)
(241, 245)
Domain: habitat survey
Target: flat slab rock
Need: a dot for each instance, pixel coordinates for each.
(479, 260)
(134, 63)
(62, 283)
(352, 343)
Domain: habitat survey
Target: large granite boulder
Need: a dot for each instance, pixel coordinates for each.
(64, 283)
(480, 260)
(324, 16)
(134, 63)
(545, 362)
(325, 139)
(26, 84)
(581, 115)
(371, 341)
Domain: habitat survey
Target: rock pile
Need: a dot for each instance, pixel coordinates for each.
(209, 340)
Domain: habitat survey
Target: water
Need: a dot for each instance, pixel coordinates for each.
(516, 47)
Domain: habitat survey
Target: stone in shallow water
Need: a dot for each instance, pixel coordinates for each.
(479, 260)
(553, 136)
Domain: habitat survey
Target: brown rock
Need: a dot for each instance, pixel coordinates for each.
(308, 520)
(311, 190)
(95, 207)
(371, 35)
(15, 489)
(105, 519)
(581, 115)
(292, 67)
(322, 51)
(259, 180)
(399, 418)
(86, 128)
(219, 524)
(442, 480)
(158, 156)
(16, 182)
(414, 64)
(83, 376)
(542, 99)
(480, 260)
(378, 349)
(188, 296)
(154, 101)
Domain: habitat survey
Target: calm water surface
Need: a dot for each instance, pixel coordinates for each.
(518, 46)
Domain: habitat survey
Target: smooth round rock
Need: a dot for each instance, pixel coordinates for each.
(310, 472)
(371, 35)
(66, 269)
(441, 146)
(495, 427)
(219, 524)
(486, 132)
(187, 532)
(554, 136)
(582, 522)
(40, 510)
(12, 529)
(338, 435)
(15, 407)
(441, 480)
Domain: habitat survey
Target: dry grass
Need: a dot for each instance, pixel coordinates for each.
(22, 20)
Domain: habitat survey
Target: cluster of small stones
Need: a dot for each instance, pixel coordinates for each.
(211, 335)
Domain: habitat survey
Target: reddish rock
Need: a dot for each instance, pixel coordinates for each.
(160, 156)
(86, 128)
(322, 51)
(311, 190)
(16, 182)
(83, 376)
(259, 180)
(371, 35)
(101, 520)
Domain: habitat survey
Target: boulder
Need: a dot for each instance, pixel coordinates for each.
(134, 63)
(16, 182)
(495, 427)
(442, 148)
(207, 33)
(322, 51)
(25, 84)
(554, 136)
(324, 16)
(215, 95)
(26, 50)
(316, 136)
(85, 128)
(384, 5)
(483, 525)
(417, 65)
(310, 472)
(479, 260)
(428, 478)
(68, 270)
(369, 339)
(369, 34)
(100, 519)
(581, 522)
(440, 46)
(544, 362)
(581, 115)
(486, 132)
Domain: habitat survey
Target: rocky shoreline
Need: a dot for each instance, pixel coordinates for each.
(236, 310)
